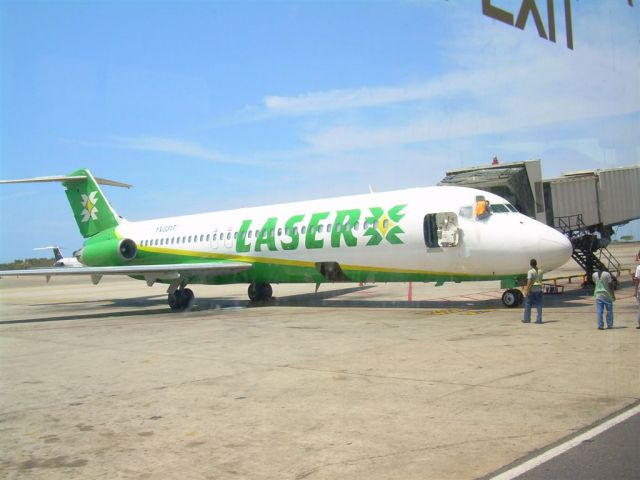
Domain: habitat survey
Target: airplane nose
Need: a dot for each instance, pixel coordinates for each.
(555, 249)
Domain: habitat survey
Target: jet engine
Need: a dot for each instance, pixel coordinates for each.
(108, 252)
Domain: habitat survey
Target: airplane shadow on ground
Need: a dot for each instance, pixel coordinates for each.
(157, 304)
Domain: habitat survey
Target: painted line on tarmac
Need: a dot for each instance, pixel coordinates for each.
(568, 445)
(456, 311)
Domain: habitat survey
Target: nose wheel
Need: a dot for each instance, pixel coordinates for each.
(259, 292)
(181, 300)
(512, 298)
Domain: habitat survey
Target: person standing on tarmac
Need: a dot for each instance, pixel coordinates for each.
(533, 293)
(636, 282)
(603, 293)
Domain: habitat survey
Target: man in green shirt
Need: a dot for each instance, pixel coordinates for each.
(533, 293)
(604, 296)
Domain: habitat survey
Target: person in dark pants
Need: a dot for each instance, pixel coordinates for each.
(533, 293)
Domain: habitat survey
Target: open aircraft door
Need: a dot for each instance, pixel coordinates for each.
(441, 230)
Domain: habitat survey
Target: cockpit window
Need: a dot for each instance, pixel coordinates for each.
(466, 212)
(512, 208)
(499, 208)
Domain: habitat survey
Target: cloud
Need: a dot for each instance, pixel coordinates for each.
(499, 80)
(176, 146)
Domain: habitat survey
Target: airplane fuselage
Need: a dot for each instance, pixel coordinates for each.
(420, 234)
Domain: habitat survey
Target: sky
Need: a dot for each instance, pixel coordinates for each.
(210, 105)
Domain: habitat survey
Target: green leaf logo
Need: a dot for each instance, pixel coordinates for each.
(384, 225)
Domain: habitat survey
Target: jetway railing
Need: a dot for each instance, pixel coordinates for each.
(589, 251)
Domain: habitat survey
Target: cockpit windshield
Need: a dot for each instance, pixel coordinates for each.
(467, 211)
(499, 208)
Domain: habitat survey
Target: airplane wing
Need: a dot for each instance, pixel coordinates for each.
(151, 273)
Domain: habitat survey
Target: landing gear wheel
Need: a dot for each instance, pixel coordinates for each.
(175, 300)
(512, 298)
(181, 300)
(188, 298)
(259, 292)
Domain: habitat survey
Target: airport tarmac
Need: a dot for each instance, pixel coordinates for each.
(353, 382)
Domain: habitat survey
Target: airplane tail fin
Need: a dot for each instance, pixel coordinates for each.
(57, 253)
(91, 209)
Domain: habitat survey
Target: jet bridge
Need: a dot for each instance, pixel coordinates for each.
(603, 198)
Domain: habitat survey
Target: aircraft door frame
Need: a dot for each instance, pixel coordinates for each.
(441, 230)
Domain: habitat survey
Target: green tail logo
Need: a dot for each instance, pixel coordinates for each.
(91, 209)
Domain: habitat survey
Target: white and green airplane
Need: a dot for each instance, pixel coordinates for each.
(433, 234)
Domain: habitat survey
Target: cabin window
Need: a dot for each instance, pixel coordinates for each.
(303, 230)
(207, 237)
(356, 226)
(295, 230)
(338, 227)
(287, 231)
(228, 235)
(329, 228)
(235, 235)
(280, 232)
(365, 225)
(385, 224)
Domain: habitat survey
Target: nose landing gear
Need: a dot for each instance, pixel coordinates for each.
(512, 298)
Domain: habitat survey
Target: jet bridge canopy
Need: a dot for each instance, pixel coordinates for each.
(601, 197)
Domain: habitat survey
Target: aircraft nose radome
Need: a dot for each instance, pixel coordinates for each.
(555, 249)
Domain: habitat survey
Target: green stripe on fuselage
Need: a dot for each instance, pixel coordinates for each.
(275, 270)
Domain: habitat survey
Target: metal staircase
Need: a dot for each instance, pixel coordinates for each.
(589, 250)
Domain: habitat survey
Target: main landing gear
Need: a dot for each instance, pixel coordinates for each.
(260, 292)
(181, 299)
(512, 298)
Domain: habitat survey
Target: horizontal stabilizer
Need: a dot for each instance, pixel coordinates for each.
(68, 178)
